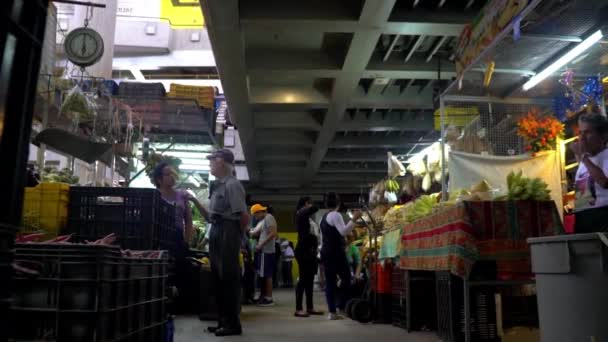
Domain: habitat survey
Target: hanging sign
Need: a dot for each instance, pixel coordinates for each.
(475, 37)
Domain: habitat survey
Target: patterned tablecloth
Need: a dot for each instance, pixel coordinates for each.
(454, 238)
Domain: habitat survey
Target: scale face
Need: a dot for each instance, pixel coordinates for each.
(83, 46)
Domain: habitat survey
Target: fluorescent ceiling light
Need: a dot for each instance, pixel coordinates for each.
(565, 59)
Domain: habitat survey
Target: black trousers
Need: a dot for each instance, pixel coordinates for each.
(336, 266)
(591, 220)
(224, 249)
(287, 275)
(307, 264)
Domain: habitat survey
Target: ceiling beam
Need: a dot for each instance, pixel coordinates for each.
(223, 21)
(421, 123)
(436, 48)
(289, 95)
(363, 44)
(391, 47)
(358, 156)
(415, 47)
(290, 120)
(412, 27)
(281, 137)
(374, 142)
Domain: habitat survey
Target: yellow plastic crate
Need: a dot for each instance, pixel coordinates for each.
(205, 96)
(456, 116)
(45, 208)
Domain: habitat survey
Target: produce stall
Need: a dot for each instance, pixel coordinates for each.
(499, 127)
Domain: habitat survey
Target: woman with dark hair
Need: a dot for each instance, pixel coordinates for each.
(165, 177)
(306, 255)
(333, 254)
(591, 205)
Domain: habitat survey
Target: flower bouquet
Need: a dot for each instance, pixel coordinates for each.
(540, 132)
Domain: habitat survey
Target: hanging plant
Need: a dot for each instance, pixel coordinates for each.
(540, 132)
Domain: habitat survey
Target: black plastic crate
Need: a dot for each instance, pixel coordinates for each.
(70, 277)
(140, 89)
(450, 310)
(140, 218)
(398, 281)
(398, 312)
(45, 325)
(421, 311)
(7, 238)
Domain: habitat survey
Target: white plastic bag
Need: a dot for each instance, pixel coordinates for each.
(395, 168)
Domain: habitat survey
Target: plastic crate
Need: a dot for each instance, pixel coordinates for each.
(41, 325)
(45, 208)
(398, 282)
(398, 312)
(450, 310)
(7, 238)
(139, 89)
(205, 96)
(87, 293)
(140, 218)
(421, 304)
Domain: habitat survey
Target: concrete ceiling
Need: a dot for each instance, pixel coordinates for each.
(320, 90)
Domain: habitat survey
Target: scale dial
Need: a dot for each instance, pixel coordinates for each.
(84, 46)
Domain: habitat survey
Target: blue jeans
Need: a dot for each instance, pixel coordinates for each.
(336, 266)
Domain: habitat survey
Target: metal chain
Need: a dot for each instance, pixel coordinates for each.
(88, 16)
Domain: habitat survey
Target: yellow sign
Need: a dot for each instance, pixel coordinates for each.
(185, 14)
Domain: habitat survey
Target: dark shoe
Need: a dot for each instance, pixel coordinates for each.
(266, 302)
(212, 330)
(301, 314)
(315, 313)
(228, 332)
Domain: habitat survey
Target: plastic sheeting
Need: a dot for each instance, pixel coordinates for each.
(467, 170)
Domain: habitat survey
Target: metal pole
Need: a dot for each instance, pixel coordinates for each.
(80, 3)
(444, 185)
(467, 311)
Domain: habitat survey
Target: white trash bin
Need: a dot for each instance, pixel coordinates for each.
(572, 285)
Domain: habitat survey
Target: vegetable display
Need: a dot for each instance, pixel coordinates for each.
(51, 175)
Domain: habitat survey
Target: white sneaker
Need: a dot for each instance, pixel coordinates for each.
(334, 317)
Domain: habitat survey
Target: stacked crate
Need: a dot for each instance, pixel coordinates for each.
(7, 237)
(205, 96)
(398, 308)
(141, 90)
(88, 293)
(45, 208)
(450, 310)
(139, 218)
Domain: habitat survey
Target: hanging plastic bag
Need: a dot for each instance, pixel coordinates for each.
(77, 107)
(395, 168)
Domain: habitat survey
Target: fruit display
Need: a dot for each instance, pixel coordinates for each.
(422, 207)
(523, 188)
(396, 216)
(392, 185)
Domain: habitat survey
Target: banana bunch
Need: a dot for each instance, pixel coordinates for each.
(392, 185)
(523, 188)
(422, 207)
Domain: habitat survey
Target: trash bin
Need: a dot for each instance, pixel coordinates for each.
(572, 282)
